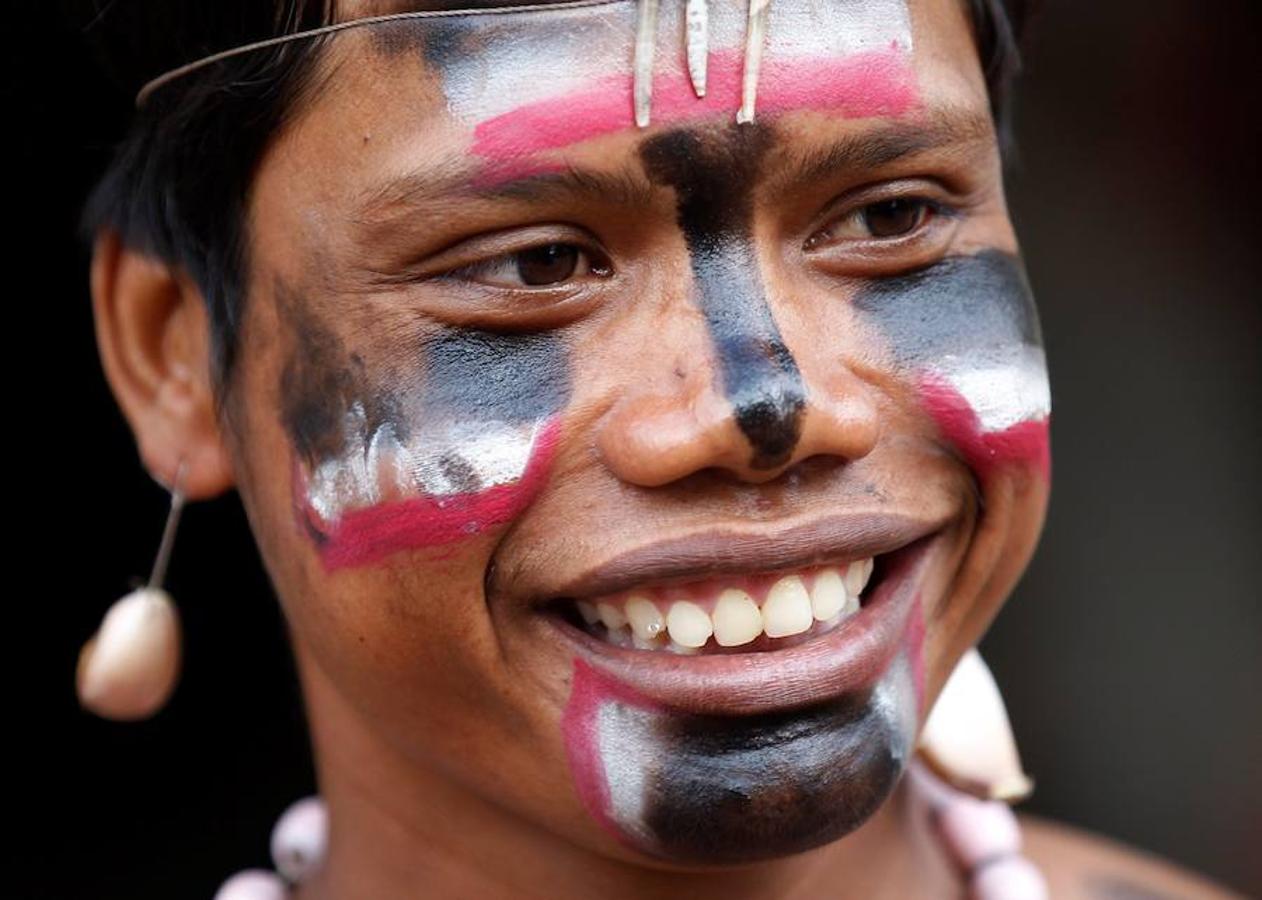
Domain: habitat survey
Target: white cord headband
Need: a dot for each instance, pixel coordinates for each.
(696, 39)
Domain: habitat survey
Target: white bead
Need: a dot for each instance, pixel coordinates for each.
(1013, 878)
(252, 884)
(299, 838)
(967, 738)
(129, 667)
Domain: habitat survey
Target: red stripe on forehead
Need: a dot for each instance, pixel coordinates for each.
(876, 83)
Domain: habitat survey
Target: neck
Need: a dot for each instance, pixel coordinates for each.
(397, 829)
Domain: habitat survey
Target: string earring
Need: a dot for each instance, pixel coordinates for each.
(967, 740)
(128, 669)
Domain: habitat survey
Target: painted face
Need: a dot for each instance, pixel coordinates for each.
(654, 477)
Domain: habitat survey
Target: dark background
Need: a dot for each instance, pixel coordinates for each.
(1131, 655)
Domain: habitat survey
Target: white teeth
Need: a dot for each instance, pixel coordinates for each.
(857, 575)
(688, 624)
(787, 609)
(611, 616)
(737, 619)
(828, 595)
(646, 621)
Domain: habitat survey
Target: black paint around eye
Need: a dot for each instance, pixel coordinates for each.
(962, 306)
(895, 217)
(547, 264)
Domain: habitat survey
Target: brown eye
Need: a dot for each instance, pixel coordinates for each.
(896, 217)
(547, 264)
(884, 220)
(544, 265)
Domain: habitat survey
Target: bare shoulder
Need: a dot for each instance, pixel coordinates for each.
(1080, 865)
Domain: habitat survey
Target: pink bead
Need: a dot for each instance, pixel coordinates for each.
(975, 831)
(299, 838)
(1014, 878)
(252, 884)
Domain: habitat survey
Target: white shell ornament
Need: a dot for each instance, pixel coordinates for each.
(129, 667)
(967, 739)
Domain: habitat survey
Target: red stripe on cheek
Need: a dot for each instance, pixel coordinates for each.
(876, 83)
(1025, 443)
(363, 536)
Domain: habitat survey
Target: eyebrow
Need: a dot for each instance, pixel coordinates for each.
(457, 179)
(940, 129)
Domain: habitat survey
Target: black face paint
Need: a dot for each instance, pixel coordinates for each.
(964, 306)
(713, 175)
(732, 789)
(390, 457)
(967, 331)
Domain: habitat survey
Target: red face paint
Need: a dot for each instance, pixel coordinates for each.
(874, 83)
(1024, 443)
(588, 692)
(369, 534)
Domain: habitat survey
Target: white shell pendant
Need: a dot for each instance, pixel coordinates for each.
(967, 739)
(129, 667)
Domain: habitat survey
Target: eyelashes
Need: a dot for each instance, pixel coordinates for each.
(546, 265)
(563, 264)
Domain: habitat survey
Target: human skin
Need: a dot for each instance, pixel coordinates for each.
(732, 365)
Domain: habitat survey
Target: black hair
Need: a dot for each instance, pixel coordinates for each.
(178, 185)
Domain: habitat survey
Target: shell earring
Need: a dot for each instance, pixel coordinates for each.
(128, 669)
(967, 739)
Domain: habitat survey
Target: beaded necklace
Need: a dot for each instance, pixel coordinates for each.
(981, 838)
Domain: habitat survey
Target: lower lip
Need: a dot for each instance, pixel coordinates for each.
(848, 659)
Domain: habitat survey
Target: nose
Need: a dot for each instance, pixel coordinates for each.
(755, 417)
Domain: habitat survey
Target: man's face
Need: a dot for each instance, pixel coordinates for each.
(652, 477)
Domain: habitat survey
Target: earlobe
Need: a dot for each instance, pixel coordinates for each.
(153, 335)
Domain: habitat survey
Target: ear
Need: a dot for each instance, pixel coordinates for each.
(154, 339)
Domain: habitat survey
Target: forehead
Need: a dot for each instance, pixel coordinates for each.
(506, 94)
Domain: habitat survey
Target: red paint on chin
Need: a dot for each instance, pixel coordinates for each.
(1025, 443)
(367, 535)
(589, 689)
(875, 83)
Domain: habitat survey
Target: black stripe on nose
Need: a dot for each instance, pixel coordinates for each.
(713, 175)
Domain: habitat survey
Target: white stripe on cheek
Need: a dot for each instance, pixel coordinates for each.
(1004, 392)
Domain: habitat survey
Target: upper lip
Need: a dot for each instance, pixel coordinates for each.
(732, 551)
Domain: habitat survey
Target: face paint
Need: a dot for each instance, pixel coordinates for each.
(423, 461)
(966, 329)
(716, 789)
(713, 178)
(534, 82)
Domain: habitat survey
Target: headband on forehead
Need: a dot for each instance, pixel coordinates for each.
(696, 46)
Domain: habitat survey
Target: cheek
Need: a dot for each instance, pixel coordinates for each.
(426, 458)
(965, 331)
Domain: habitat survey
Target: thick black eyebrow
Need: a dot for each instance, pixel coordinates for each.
(941, 129)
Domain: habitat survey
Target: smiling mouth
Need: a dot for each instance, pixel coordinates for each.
(755, 613)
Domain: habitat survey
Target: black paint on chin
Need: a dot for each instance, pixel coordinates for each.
(734, 790)
(713, 175)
